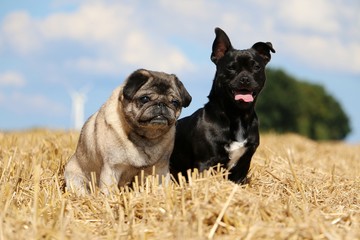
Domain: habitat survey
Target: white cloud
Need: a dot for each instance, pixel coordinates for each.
(24, 104)
(188, 11)
(320, 34)
(119, 35)
(319, 15)
(19, 31)
(98, 65)
(110, 31)
(144, 51)
(12, 79)
(95, 22)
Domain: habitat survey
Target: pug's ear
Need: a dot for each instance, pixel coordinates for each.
(263, 49)
(185, 96)
(134, 82)
(220, 45)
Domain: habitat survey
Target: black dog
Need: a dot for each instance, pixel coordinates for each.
(225, 130)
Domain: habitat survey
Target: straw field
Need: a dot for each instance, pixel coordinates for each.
(299, 189)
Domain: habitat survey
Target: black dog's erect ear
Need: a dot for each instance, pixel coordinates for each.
(220, 45)
(185, 96)
(134, 82)
(263, 50)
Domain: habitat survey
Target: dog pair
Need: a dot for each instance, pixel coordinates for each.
(136, 128)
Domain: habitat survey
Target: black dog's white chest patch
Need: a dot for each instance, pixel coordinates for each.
(236, 148)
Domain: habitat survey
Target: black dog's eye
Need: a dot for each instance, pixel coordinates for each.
(175, 103)
(144, 99)
(256, 67)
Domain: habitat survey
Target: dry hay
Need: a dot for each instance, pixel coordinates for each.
(299, 189)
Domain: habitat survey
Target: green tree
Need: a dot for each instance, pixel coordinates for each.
(289, 105)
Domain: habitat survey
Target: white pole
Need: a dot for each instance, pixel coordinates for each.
(78, 103)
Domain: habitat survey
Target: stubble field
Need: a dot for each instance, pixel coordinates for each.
(299, 189)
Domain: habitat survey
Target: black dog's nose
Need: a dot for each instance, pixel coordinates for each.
(244, 80)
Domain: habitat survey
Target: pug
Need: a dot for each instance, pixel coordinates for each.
(134, 130)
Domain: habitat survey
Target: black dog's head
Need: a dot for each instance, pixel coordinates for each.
(240, 74)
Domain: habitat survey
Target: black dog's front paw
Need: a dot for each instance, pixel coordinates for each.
(239, 180)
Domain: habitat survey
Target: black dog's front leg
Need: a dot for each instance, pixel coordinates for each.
(239, 171)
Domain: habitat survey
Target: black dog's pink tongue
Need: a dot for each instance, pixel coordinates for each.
(248, 97)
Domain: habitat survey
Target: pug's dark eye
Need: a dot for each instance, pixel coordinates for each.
(175, 103)
(231, 68)
(144, 99)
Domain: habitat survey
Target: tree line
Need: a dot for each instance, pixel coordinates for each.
(287, 104)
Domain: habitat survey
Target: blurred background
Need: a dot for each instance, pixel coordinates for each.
(60, 58)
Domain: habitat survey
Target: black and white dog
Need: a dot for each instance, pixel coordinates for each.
(225, 130)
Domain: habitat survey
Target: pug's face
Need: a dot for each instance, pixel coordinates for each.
(152, 102)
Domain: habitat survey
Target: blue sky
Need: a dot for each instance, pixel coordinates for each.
(50, 48)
